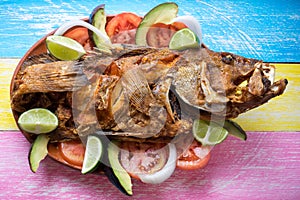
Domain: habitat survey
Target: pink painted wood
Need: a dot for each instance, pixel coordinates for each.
(267, 166)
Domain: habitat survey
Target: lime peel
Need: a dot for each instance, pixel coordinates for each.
(102, 42)
(209, 134)
(38, 120)
(92, 155)
(192, 23)
(184, 39)
(64, 48)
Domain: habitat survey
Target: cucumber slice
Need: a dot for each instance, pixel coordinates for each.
(163, 13)
(98, 19)
(235, 130)
(120, 173)
(38, 151)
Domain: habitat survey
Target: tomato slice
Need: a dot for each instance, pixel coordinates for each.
(81, 35)
(143, 158)
(160, 34)
(121, 28)
(72, 151)
(195, 157)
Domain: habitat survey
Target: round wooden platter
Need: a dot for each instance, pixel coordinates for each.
(39, 48)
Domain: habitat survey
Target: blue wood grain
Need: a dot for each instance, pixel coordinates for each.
(267, 30)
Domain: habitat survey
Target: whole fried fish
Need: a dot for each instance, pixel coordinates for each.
(143, 92)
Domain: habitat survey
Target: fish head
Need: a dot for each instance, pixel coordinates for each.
(222, 84)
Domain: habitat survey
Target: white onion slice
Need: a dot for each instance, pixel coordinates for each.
(192, 23)
(165, 172)
(63, 28)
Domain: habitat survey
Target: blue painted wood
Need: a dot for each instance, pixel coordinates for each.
(268, 30)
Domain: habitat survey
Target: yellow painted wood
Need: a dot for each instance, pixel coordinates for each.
(7, 67)
(280, 114)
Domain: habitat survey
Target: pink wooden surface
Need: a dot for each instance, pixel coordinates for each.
(267, 166)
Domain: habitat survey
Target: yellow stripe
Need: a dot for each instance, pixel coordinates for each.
(7, 67)
(280, 114)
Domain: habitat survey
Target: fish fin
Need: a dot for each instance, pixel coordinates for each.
(161, 93)
(137, 89)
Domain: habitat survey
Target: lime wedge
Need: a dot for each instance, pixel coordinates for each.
(208, 134)
(64, 48)
(92, 155)
(38, 120)
(184, 39)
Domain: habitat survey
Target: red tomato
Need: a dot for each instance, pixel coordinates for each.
(195, 157)
(143, 158)
(160, 34)
(72, 152)
(81, 35)
(119, 27)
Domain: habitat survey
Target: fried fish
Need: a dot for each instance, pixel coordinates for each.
(143, 92)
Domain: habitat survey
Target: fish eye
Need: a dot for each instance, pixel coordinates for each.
(227, 59)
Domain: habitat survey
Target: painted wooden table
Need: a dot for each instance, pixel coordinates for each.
(266, 166)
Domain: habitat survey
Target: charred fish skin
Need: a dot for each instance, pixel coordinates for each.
(129, 88)
(219, 83)
(252, 83)
(247, 83)
(201, 78)
(60, 76)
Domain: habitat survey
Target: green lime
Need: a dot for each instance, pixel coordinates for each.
(208, 134)
(184, 39)
(92, 155)
(38, 120)
(64, 48)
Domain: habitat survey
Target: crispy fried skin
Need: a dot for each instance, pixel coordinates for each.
(143, 93)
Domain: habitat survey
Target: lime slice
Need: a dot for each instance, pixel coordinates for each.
(208, 134)
(184, 39)
(38, 120)
(64, 48)
(92, 155)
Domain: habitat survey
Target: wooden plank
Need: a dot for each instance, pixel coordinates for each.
(281, 113)
(256, 29)
(277, 115)
(264, 167)
(7, 67)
